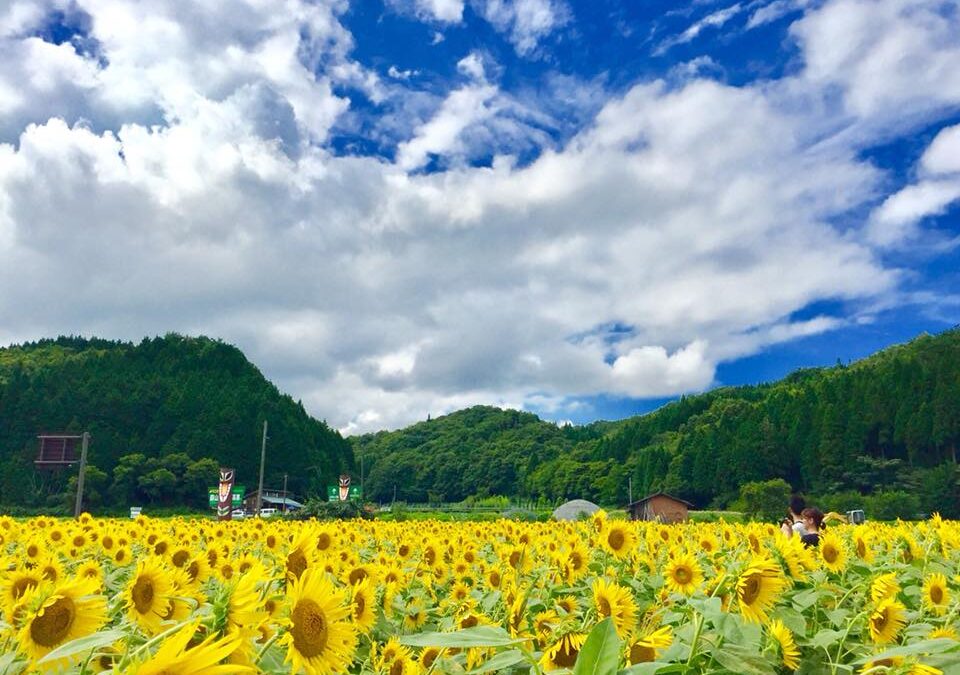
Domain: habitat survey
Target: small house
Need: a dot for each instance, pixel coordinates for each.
(660, 507)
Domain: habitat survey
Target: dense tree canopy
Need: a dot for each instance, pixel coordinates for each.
(163, 414)
(889, 422)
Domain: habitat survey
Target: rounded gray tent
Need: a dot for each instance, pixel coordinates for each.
(573, 509)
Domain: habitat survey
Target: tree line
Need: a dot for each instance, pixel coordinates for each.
(163, 414)
(888, 423)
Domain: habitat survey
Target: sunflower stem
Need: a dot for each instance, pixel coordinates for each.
(698, 623)
(263, 650)
(159, 637)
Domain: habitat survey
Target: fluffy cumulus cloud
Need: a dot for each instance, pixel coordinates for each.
(178, 178)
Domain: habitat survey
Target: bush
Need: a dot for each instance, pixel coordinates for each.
(323, 510)
(765, 500)
(892, 505)
(841, 502)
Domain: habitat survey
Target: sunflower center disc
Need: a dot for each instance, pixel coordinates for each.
(751, 589)
(53, 623)
(309, 628)
(936, 595)
(615, 540)
(22, 585)
(566, 656)
(682, 575)
(142, 593)
(296, 563)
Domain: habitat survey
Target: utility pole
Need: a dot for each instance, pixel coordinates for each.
(284, 493)
(83, 470)
(630, 490)
(362, 493)
(263, 459)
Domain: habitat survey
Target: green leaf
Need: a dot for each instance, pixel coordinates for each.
(478, 636)
(600, 654)
(838, 616)
(646, 668)
(84, 644)
(792, 619)
(936, 646)
(739, 660)
(826, 638)
(806, 599)
(500, 661)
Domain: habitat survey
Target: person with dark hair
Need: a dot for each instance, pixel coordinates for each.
(793, 523)
(812, 519)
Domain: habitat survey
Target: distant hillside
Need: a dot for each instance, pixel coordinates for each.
(163, 414)
(890, 421)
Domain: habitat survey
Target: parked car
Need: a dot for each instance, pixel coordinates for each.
(238, 514)
(267, 513)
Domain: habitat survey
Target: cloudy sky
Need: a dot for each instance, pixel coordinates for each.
(403, 207)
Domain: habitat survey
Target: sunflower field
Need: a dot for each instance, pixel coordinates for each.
(194, 597)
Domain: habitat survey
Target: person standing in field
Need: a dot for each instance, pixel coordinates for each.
(812, 519)
(793, 523)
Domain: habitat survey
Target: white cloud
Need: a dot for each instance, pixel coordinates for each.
(443, 11)
(943, 155)
(198, 196)
(890, 59)
(525, 22)
(896, 220)
(441, 135)
(775, 10)
(714, 20)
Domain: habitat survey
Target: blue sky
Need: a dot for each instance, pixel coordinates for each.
(403, 208)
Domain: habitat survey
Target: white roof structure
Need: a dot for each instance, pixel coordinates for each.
(572, 509)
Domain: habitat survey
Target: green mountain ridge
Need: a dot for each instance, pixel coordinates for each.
(164, 414)
(890, 421)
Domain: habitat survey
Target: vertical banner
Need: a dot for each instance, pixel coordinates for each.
(224, 498)
(344, 488)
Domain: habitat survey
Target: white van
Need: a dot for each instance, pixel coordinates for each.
(267, 513)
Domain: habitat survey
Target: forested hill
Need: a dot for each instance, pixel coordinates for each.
(891, 421)
(163, 414)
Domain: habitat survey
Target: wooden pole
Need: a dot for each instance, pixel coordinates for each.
(77, 509)
(263, 459)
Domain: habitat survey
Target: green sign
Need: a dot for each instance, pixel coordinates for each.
(236, 496)
(333, 493)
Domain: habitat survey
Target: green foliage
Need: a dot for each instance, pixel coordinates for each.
(170, 406)
(765, 500)
(892, 505)
(324, 510)
(889, 422)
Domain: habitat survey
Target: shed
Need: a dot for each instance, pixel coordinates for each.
(573, 509)
(660, 507)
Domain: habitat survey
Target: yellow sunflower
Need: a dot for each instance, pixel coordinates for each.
(884, 587)
(363, 601)
(618, 538)
(833, 552)
(16, 584)
(575, 562)
(648, 647)
(564, 652)
(55, 615)
(320, 638)
(936, 594)
(886, 620)
(615, 601)
(148, 595)
(204, 659)
(758, 588)
(783, 641)
(683, 574)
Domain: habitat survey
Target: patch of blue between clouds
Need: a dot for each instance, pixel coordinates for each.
(73, 26)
